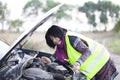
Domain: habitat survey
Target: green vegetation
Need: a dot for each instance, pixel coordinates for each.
(104, 8)
(3, 14)
(106, 12)
(16, 24)
(114, 45)
(117, 27)
(33, 7)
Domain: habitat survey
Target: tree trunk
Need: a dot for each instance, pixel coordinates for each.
(2, 26)
(105, 28)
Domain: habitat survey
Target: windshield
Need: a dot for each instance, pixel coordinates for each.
(3, 48)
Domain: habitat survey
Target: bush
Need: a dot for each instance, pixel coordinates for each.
(117, 27)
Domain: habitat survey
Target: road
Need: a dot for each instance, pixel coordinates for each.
(116, 59)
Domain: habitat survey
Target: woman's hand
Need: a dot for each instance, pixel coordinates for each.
(76, 66)
(45, 60)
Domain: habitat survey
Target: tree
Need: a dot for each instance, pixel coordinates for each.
(3, 13)
(89, 9)
(103, 7)
(91, 20)
(104, 19)
(32, 7)
(15, 24)
(114, 11)
(117, 27)
(63, 11)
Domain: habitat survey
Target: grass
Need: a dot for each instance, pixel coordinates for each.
(114, 45)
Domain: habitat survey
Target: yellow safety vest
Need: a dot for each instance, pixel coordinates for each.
(98, 58)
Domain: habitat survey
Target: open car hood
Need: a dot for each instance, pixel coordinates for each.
(3, 48)
(24, 37)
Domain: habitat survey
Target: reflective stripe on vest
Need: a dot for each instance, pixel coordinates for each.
(98, 58)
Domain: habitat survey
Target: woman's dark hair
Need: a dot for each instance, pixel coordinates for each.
(55, 31)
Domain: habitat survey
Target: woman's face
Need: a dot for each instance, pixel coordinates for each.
(55, 40)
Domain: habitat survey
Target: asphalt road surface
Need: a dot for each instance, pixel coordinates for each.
(116, 59)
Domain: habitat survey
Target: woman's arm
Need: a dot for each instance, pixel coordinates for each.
(81, 47)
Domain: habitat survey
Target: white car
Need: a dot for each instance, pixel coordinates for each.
(15, 60)
(3, 48)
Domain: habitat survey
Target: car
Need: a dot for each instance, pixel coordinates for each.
(15, 59)
(3, 47)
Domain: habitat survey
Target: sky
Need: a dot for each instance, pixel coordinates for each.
(15, 6)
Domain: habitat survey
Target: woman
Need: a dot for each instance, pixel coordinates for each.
(86, 55)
